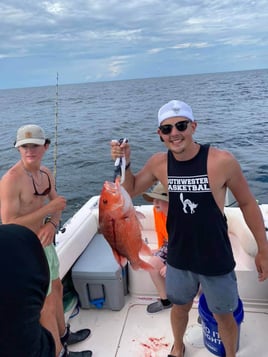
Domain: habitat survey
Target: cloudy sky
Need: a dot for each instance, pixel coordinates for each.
(103, 40)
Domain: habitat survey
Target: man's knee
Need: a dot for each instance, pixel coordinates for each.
(49, 305)
(57, 288)
(182, 309)
(227, 320)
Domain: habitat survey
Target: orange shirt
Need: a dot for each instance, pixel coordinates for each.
(160, 227)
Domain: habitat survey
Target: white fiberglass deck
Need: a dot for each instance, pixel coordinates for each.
(132, 332)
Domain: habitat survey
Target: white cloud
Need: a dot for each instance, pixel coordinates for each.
(55, 8)
(191, 45)
(143, 31)
(116, 67)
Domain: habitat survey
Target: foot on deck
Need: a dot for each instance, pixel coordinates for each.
(77, 354)
(157, 306)
(74, 337)
(183, 351)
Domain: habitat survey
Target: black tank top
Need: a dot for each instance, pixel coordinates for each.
(197, 230)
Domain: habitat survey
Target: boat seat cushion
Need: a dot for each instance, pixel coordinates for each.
(238, 228)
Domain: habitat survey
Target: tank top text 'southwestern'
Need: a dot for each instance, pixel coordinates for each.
(197, 229)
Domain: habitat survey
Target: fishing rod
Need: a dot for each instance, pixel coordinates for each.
(56, 130)
(56, 138)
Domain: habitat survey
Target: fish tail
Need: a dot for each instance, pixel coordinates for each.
(141, 264)
(145, 249)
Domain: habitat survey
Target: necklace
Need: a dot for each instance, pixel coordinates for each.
(41, 172)
(35, 181)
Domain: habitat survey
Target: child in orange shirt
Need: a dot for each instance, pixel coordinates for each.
(159, 197)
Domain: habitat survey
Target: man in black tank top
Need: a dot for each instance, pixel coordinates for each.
(199, 250)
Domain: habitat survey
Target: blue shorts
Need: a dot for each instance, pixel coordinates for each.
(220, 291)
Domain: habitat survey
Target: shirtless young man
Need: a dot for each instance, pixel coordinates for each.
(199, 251)
(29, 198)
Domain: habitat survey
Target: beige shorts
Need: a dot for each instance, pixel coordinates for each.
(53, 263)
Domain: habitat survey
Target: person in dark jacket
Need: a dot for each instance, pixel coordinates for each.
(24, 284)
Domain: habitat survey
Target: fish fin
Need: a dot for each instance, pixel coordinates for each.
(140, 215)
(145, 249)
(141, 264)
(122, 261)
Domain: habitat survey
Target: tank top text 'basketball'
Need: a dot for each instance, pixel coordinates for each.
(197, 229)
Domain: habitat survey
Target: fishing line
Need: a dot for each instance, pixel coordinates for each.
(56, 130)
(56, 138)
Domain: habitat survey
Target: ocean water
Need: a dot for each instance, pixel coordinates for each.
(231, 110)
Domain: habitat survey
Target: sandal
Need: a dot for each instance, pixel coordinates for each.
(183, 352)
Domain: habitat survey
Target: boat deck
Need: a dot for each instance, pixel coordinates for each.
(132, 332)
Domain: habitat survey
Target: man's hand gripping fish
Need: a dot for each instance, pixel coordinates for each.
(120, 226)
(120, 164)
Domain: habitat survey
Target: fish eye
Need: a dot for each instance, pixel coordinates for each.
(105, 202)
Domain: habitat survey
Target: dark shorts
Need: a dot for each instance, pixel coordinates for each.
(220, 291)
(162, 252)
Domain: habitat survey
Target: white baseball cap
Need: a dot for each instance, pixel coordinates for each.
(175, 108)
(30, 134)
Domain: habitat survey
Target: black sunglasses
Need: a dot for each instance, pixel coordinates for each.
(46, 191)
(180, 126)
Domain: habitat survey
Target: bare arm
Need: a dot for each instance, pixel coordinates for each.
(48, 230)
(10, 206)
(252, 215)
(153, 170)
(56, 215)
(29, 215)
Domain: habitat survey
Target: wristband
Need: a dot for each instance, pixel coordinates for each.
(53, 224)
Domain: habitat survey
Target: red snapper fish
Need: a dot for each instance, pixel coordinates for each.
(119, 224)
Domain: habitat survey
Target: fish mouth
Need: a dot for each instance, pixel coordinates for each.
(112, 194)
(110, 187)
